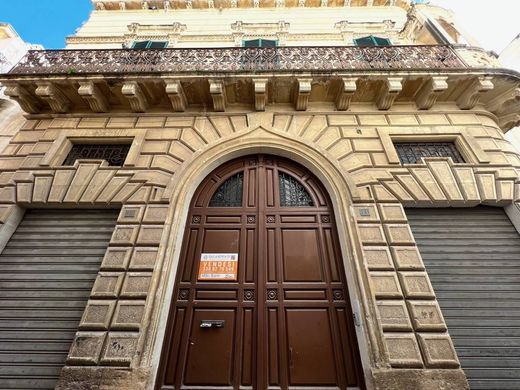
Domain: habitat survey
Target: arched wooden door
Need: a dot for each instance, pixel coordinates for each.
(284, 320)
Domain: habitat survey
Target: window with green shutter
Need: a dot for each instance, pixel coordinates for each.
(260, 43)
(149, 45)
(372, 41)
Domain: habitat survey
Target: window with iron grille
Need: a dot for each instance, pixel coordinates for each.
(411, 152)
(114, 154)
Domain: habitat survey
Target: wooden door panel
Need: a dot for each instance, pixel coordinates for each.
(210, 355)
(301, 258)
(221, 241)
(310, 347)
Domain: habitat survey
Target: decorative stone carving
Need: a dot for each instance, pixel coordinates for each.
(122, 5)
(27, 102)
(302, 94)
(260, 87)
(94, 97)
(469, 98)
(135, 95)
(218, 93)
(392, 87)
(347, 89)
(58, 101)
(427, 95)
(175, 92)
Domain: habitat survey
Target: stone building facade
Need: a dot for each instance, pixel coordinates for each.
(272, 84)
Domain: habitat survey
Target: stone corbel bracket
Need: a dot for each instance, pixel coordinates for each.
(428, 94)
(135, 95)
(27, 101)
(260, 86)
(347, 89)
(470, 97)
(391, 88)
(303, 92)
(92, 94)
(217, 90)
(57, 100)
(507, 108)
(175, 92)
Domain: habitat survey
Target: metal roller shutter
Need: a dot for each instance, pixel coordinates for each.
(46, 273)
(473, 259)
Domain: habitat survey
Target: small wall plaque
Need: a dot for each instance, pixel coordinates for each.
(364, 212)
(218, 266)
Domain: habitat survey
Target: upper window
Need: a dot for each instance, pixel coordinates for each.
(114, 154)
(412, 152)
(292, 192)
(149, 45)
(372, 41)
(229, 194)
(260, 43)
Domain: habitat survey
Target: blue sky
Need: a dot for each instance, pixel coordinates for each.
(46, 22)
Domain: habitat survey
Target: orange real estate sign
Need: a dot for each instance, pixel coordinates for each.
(218, 266)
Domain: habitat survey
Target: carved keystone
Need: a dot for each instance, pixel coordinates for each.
(135, 95)
(93, 96)
(469, 98)
(392, 87)
(302, 94)
(428, 94)
(54, 96)
(176, 94)
(347, 90)
(218, 93)
(27, 102)
(260, 86)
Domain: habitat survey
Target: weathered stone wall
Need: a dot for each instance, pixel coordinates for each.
(405, 339)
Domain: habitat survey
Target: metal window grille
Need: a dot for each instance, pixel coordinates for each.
(229, 194)
(292, 193)
(114, 154)
(411, 152)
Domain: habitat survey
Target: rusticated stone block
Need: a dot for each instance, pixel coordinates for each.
(426, 316)
(86, 348)
(120, 349)
(97, 315)
(416, 285)
(403, 350)
(366, 213)
(136, 285)
(407, 258)
(128, 315)
(124, 235)
(143, 259)
(107, 285)
(399, 234)
(386, 285)
(116, 259)
(393, 213)
(150, 235)
(372, 234)
(438, 351)
(378, 258)
(131, 214)
(394, 316)
(155, 214)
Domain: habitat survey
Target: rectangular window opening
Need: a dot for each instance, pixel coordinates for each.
(150, 45)
(372, 41)
(260, 43)
(114, 154)
(412, 152)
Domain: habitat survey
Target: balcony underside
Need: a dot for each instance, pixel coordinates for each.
(79, 81)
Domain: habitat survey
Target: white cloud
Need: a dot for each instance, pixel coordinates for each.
(492, 23)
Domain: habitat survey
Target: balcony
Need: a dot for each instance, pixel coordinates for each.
(228, 79)
(211, 60)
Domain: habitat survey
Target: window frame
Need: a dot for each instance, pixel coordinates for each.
(276, 43)
(149, 44)
(452, 143)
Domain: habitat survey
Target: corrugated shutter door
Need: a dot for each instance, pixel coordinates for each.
(46, 274)
(473, 259)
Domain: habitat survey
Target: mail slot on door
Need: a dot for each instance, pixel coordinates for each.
(212, 324)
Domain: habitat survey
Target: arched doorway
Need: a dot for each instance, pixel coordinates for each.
(260, 298)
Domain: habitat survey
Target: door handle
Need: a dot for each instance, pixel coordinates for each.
(207, 324)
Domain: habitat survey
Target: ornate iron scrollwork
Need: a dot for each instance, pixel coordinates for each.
(411, 152)
(292, 192)
(229, 194)
(115, 154)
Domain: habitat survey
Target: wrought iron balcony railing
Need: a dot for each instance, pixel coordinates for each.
(211, 60)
